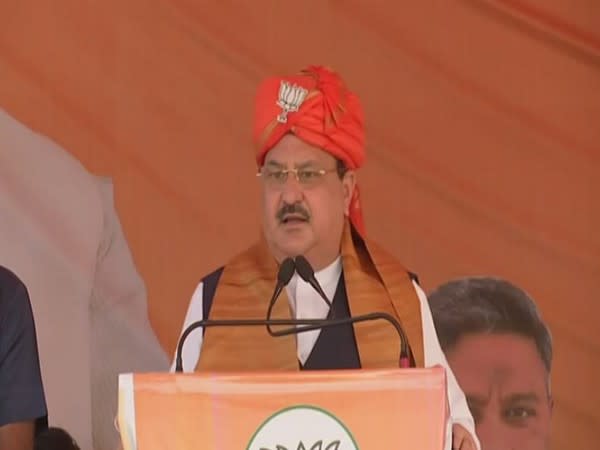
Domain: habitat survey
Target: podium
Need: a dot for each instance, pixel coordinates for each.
(309, 410)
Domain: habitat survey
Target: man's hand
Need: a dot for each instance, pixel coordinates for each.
(17, 436)
(462, 439)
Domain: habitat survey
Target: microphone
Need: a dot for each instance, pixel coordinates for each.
(284, 275)
(286, 271)
(307, 273)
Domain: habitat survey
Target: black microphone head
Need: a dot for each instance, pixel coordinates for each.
(304, 269)
(286, 271)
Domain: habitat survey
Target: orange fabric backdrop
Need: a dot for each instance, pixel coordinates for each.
(483, 138)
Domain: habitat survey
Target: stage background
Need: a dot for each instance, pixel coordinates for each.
(483, 130)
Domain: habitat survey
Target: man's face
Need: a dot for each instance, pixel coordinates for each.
(505, 382)
(304, 217)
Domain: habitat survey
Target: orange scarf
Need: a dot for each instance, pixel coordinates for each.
(375, 281)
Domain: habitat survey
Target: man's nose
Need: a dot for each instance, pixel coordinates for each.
(495, 435)
(291, 192)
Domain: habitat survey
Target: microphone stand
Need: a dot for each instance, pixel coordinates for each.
(405, 359)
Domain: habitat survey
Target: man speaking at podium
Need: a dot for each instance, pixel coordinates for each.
(309, 141)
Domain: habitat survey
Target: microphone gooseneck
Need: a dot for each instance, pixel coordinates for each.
(307, 273)
(284, 275)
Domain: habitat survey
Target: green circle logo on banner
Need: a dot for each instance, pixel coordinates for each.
(302, 427)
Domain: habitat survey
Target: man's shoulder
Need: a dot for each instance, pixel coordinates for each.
(11, 286)
(9, 278)
(414, 277)
(209, 285)
(382, 253)
(21, 387)
(213, 277)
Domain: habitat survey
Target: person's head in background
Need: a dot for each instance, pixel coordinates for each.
(55, 438)
(500, 351)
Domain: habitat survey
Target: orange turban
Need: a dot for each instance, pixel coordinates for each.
(316, 106)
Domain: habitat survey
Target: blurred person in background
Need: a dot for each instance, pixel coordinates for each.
(23, 412)
(61, 233)
(500, 350)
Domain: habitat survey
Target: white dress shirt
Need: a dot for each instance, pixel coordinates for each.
(313, 306)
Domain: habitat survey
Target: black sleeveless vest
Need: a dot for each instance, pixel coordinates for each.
(335, 347)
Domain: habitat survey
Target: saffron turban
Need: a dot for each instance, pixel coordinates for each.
(317, 107)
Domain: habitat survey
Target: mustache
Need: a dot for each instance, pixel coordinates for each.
(294, 208)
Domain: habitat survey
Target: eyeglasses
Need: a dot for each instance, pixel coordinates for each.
(306, 177)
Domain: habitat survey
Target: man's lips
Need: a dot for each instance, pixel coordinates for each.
(293, 218)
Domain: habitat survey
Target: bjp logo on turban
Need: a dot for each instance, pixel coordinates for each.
(290, 98)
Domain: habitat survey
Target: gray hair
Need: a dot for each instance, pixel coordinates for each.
(487, 305)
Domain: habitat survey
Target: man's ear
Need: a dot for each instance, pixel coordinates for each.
(348, 185)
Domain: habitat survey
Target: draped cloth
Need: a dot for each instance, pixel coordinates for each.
(375, 281)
